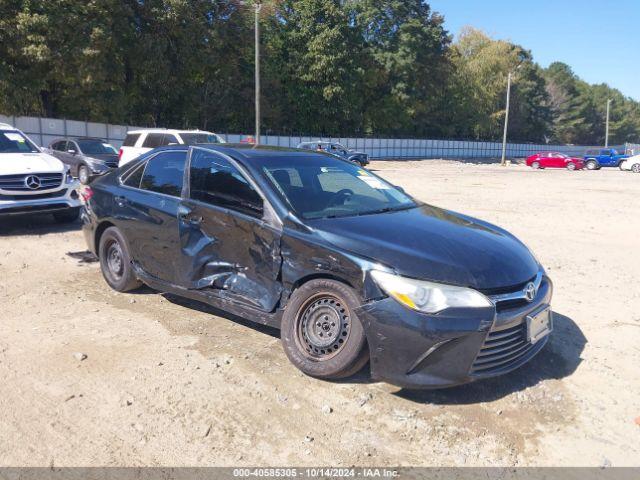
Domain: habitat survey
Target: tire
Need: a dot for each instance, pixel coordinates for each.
(324, 307)
(635, 168)
(592, 165)
(84, 175)
(571, 166)
(535, 165)
(115, 261)
(69, 215)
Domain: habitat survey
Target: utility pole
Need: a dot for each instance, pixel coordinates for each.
(258, 7)
(606, 134)
(506, 123)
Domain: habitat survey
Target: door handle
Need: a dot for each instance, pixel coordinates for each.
(184, 215)
(120, 201)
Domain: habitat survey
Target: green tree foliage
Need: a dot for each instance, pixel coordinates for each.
(349, 67)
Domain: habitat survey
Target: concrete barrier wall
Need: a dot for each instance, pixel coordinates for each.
(43, 130)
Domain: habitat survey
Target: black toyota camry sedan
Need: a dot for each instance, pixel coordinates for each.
(348, 267)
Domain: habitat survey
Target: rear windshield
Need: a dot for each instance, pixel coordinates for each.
(15, 142)
(96, 147)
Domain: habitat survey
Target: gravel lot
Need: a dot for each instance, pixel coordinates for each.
(168, 382)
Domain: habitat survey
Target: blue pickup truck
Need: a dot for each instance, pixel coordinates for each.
(603, 157)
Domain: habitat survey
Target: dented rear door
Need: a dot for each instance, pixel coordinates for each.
(229, 247)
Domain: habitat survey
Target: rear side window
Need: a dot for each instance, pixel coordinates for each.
(217, 182)
(155, 140)
(134, 178)
(131, 139)
(164, 173)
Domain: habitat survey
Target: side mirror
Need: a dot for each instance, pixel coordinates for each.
(400, 188)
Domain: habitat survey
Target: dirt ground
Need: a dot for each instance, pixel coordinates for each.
(169, 382)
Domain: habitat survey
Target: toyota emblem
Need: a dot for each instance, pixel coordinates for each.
(530, 292)
(32, 182)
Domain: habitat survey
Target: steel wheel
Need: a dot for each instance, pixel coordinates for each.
(115, 262)
(323, 327)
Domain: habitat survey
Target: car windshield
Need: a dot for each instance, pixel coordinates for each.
(15, 142)
(323, 187)
(196, 138)
(96, 147)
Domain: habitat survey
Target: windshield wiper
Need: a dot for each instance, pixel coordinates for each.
(387, 209)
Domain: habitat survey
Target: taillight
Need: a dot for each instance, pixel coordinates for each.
(120, 155)
(86, 193)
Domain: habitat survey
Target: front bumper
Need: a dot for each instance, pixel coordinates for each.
(43, 202)
(415, 350)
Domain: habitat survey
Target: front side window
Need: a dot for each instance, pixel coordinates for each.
(164, 173)
(217, 182)
(332, 188)
(16, 142)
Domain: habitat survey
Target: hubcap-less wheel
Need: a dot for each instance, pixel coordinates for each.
(636, 168)
(115, 261)
(323, 327)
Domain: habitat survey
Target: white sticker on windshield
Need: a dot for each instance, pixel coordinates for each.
(14, 137)
(373, 182)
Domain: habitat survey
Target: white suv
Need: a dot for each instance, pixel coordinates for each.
(32, 181)
(138, 142)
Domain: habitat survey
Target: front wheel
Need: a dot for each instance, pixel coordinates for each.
(115, 261)
(571, 166)
(635, 168)
(320, 332)
(535, 165)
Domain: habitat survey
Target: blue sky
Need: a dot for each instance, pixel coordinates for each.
(599, 39)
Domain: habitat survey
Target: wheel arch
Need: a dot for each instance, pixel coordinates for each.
(100, 229)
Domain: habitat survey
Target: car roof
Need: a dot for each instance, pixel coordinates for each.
(252, 154)
(167, 130)
(78, 138)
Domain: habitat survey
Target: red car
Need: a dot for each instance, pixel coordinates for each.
(554, 160)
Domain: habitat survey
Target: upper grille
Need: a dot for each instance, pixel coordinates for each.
(16, 183)
(501, 349)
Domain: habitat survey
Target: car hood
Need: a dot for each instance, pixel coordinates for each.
(430, 243)
(17, 163)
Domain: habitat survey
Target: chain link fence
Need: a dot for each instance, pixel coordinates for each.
(44, 130)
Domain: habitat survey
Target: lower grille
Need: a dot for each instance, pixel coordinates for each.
(35, 196)
(502, 349)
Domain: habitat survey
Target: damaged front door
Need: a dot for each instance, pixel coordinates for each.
(228, 246)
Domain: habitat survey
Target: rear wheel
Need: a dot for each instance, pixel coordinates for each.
(571, 166)
(592, 165)
(115, 261)
(635, 168)
(535, 165)
(320, 332)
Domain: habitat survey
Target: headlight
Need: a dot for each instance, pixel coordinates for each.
(426, 296)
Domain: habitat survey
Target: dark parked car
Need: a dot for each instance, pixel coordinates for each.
(86, 157)
(341, 151)
(349, 267)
